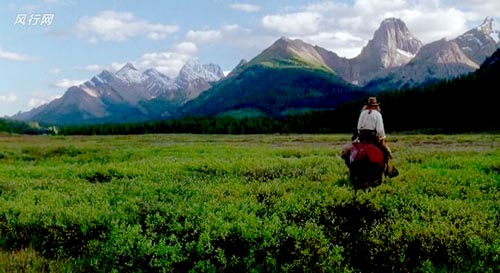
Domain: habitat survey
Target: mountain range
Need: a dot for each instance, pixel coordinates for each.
(289, 76)
(127, 95)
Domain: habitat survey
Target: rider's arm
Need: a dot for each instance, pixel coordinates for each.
(379, 127)
(360, 119)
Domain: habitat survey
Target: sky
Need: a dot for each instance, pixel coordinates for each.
(46, 46)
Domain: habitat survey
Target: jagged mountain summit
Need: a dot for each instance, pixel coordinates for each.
(479, 43)
(442, 59)
(438, 60)
(393, 45)
(127, 95)
(194, 78)
(192, 70)
(129, 74)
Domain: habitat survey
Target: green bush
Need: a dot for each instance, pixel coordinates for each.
(260, 203)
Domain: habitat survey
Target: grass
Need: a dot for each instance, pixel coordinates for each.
(250, 203)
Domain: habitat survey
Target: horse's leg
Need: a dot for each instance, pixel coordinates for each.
(378, 180)
(346, 152)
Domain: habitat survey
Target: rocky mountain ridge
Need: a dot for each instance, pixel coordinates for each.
(442, 59)
(394, 58)
(109, 95)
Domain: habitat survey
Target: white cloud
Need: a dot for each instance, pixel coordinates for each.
(93, 68)
(171, 61)
(226, 33)
(96, 68)
(344, 43)
(432, 26)
(9, 98)
(66, 83)
(120, 26)
(186, 48)
(244, 7)
(231, 28)
(204, 35)
(379, 6)
(299, 23)
(168, 62)
(345, 28)
(40, 98)
(13, 56)
(115, 66)
(35, 102)
(428, 20)
(332, 7)
(230, 40)
(475, 9)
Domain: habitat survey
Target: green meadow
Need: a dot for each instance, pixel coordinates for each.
(246, 203)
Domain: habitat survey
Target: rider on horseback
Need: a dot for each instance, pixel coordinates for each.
(371, 129)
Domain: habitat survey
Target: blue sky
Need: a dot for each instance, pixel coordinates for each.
(38, 62)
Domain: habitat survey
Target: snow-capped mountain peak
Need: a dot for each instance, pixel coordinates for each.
(193, 70)
(152, 72)
(155, 75)
(491, 28)
(129, 74)
(479, 43)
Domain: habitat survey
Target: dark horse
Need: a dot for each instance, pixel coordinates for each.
(366, 164)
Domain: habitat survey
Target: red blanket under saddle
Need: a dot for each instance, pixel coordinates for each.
(372, 153)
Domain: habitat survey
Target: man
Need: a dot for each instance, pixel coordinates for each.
(371, 129)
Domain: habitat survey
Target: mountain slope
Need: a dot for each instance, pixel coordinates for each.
(127, 95)
(286, 52)
(479, 43)
(467, 103)
(442, 107)
(435, 61)
(290, 53)
(287, 76)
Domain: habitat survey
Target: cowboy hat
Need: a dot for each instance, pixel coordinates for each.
(372, 101)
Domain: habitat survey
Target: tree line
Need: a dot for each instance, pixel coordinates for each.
(466, 104)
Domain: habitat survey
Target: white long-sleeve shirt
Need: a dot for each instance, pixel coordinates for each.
(372, 120)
